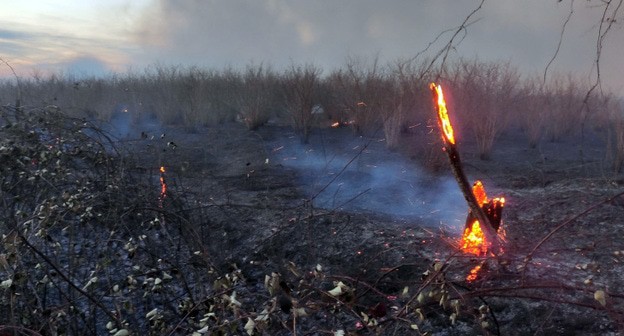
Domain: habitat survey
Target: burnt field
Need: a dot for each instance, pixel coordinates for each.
(253, 232)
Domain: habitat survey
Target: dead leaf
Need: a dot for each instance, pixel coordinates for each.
(601, 297)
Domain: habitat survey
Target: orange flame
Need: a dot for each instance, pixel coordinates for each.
(443, 117)
(479, 191)
(473, 240)
(472, 276)
(163, 185)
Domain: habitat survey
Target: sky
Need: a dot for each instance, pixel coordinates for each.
(97, 37)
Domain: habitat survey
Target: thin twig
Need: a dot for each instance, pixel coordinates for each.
(566, 223)
(563, 29)
(69, 281)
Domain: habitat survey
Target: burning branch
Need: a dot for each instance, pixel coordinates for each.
(477, 209)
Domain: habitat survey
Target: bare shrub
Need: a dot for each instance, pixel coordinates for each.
(358, 88)
(301, 89)
(404, 100)
(609, 120)
(257, 96)
(192, 95)
(531, 108)
(566, 109)
(222, 92)
(484, 92)
(159, 89)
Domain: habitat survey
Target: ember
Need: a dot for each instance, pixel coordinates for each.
(472, 276)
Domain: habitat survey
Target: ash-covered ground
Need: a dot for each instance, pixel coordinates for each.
(260, 234)
(382, 221)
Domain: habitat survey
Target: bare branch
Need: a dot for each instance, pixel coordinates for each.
(563, 29)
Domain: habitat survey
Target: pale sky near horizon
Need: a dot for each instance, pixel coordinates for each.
(100, 36)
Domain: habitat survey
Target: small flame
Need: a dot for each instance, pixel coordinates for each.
(479, 191)
(336, 124)
(473, 241)
(163, 184)
(443, 117)
(472, 276)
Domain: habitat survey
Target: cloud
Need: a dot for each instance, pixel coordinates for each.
(7, 34)
(278, 32)
(31, 49)
(218, 33)
(324, 32)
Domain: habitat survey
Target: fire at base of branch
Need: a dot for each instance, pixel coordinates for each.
(473, 240)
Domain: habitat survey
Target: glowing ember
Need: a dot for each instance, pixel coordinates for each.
(443, 117)
(472, 276)
(336, 124)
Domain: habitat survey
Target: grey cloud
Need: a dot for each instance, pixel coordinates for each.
(324, 32)
(8, 34)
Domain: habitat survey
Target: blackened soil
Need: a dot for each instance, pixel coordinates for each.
(563, 232)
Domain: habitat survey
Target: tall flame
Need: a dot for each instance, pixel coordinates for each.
(443, 117)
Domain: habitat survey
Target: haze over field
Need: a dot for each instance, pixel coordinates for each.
(88, 38)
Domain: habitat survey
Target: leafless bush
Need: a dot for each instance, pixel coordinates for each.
(222, 91)
(207, 97)
(531, 109)
(566, 114)
(161, 93)
(301, 87)
(404, 100)
(358, 91)
(395, 102)
(257, 95)
(484, 94)
(611, 123)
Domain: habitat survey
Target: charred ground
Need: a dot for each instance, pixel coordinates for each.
(240, 245)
